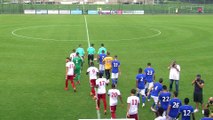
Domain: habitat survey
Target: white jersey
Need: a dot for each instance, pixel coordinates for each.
(101, 83)
(113, 96)
(71, 66)
(92, 72)
(134, 102)
(161, 118)
(72, 55)
(174, 74)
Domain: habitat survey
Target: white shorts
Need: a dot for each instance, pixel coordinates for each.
(155, 98)
(101, 67)
(142, 92)
(114, 75)
(149, 85)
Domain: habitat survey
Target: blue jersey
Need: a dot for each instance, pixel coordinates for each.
(164, 99)
(101, 57)
(206, 118)
(115, 66)
(186, 111)
(149, 74)
(175, 104)
(156, 89)
(140, 78)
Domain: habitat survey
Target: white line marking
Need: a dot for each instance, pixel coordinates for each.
(14, 33)
(87, 31)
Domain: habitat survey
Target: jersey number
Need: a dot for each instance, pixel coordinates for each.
(115, 64)
(101, 83)
(166, 99)
(134, 102)
(149, 72)
(71, 66)
(114, 94)
(175, 105)
(186, 112)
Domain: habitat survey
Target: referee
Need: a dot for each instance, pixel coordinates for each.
(198, 92)
(91, 52)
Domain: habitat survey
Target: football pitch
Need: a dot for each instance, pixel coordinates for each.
(33, 49)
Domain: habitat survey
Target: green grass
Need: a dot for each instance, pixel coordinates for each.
(32, 70)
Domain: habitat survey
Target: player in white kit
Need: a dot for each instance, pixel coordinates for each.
(92, 71)
(101, 92)
(113, 100)
(70, 66)
(132, 107)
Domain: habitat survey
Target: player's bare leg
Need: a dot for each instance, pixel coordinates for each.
(66, 85)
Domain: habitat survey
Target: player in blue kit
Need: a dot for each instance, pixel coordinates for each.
(173, 108)
(150, 77)
(186, 110)
(101, 65)
(154, 92)
(115, 70)
(140, 85)
(164, 98)
(206, 115)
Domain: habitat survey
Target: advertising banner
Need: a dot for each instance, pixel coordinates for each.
(64, 12)
(92, 12)
(29, 11)
(117, 12)
(53, 12)
(140, 12)
(76, 12)
(128, 12)
(105, 12)
(41, 11)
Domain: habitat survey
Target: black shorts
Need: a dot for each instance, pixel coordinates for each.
(90, 57)
(198, 97)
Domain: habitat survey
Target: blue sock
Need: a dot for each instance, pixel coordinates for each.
(149, 96)
(143, 99)
(116, 81)
(113, 81)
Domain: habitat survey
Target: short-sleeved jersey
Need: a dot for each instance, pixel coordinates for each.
(140, 78)
(101, 49)
(149, 72)
(101, 83)
(113, 96)
(93, 71)
(186, 111)
(78, 62)
(198, 89)
(134, 102)
(108, 63)
(156, 89)
(80, 51)
(174, 74)
(72, 55)
(175, 104)
(164, 99)
(71, 66)
(91, 50)
(115, 66)
(206, 118)
(101, 58)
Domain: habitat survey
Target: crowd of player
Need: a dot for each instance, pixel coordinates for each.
(165, 107)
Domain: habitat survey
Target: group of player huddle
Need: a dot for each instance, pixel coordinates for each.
(165, 107)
